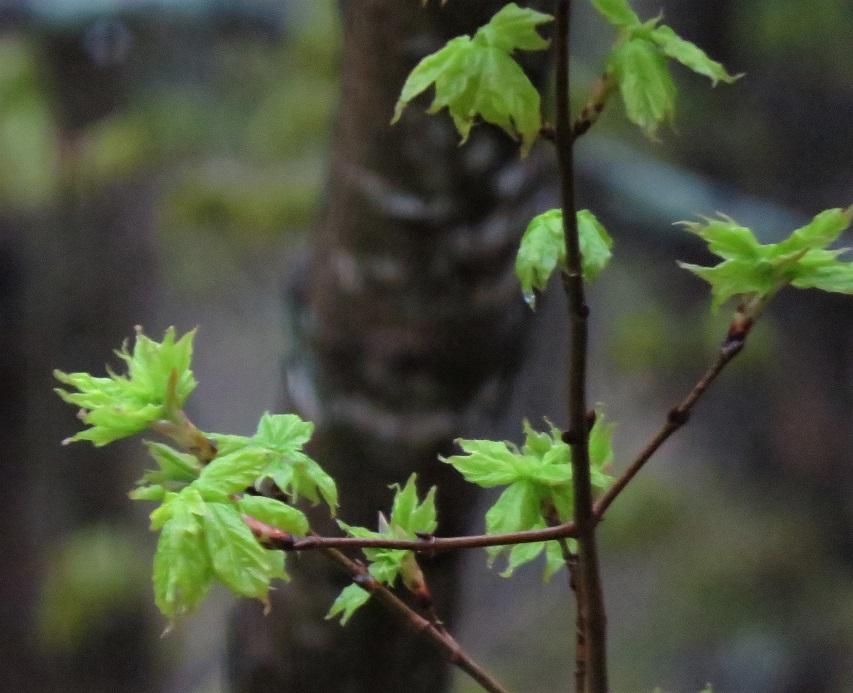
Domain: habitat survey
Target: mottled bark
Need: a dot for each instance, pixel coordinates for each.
(409, 330)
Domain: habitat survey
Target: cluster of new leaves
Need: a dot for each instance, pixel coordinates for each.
(409, 520)
(638, 64)
(538, 480)
(543, 249)
(203, 535)
(752, 269)
(478, 77)
(158, 377)
(280, 439)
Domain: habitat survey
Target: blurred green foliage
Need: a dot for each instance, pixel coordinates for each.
(83, 593)
(28, 138)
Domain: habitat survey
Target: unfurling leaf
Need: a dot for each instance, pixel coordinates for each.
(232, 473)
(158, 376)
(274, 512)
(478, 78)
(645, 83)
(691, 56)
(409, 518)
(408, 515)
(183, 572)
(280, 438)
(543, 250)
(750, 268)
(638, 64)
(348, 602)
(180, 467)
(239, 561)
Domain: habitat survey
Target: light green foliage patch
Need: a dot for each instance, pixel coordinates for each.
(538, 480)
(275, 513)
(478, 78)
(119, 406)
(543, 250)
(638, 63)
(350, 600)
(409, 519)
(202, 540)
(280, 437)
(617, 12)
(203, 535)
(750, 268)
(183, 573)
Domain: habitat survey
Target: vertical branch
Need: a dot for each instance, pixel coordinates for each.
(590, 599)
(571, 561)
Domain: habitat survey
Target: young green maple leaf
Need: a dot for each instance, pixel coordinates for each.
(281, 437)
(183, 572)
(409, 518)
(158, 377)
(175, 471)
(239, 561)
(638, 64)
(478, 78)
(350, 600)
(543, 250)
(201, 541)
(538, 480)
(754, 269)
(644, 80)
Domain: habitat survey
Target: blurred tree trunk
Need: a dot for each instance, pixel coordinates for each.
(17, 588)
(409, 328)
(88, 266)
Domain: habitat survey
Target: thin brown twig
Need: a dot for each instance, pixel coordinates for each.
(590, 598)
(429, 545)
(434, 632)
(680, 413)
(571, 561)
(572, 567)
(438, 635)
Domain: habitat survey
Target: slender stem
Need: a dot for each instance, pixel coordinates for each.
(580, 626)
(428, 545)
(571, 561)
(590, 597)
(433, 630)
(680, 413)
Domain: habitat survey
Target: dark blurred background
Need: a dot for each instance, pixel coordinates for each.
(228, 164)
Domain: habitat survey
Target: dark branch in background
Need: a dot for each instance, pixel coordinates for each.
(590, 600)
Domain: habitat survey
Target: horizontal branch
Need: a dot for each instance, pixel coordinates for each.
(427, 544)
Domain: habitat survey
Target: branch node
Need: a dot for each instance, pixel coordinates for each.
(569, 437)
(678, 416)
